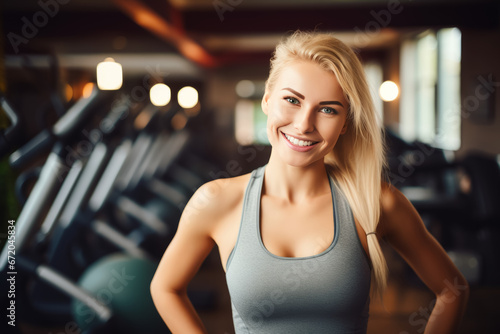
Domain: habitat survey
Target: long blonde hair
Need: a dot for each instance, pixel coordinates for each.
(358, 159)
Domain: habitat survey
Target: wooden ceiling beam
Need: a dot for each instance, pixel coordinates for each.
(148, 19)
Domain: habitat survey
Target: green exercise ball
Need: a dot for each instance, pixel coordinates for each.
(120, 282)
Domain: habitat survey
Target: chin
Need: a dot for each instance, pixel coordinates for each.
(300, 162)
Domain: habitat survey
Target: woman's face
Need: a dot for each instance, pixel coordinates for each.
(306, 111)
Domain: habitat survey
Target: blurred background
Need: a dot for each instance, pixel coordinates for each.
(115, 111)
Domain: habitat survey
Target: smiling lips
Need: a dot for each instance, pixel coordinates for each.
(298, 142)
(302, 145)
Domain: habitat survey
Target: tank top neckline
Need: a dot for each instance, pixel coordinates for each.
(336, 230)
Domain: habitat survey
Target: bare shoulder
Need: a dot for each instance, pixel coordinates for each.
(214, 201)
(390, 196)
(397, 212)
(398, 216)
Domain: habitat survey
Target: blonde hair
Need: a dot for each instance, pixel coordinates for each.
(358, 159)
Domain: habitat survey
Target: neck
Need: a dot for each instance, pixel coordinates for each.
(295, 184)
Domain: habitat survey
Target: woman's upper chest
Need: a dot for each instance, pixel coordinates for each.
(298, 229)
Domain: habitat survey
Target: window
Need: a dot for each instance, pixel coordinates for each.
(430, 88)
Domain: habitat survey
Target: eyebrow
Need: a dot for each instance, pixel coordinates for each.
(321, 103)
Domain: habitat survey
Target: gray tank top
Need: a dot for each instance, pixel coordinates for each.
(323, 293)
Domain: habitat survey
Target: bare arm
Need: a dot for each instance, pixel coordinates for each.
(402, 227)
(181, 261)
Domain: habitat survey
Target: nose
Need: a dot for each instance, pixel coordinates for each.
(304, 120)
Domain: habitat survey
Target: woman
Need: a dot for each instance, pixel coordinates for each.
(299, 237)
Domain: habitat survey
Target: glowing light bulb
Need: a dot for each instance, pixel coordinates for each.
(109, 75)
(187, 97)
(160, 94)
(388, 91)
(87, 89)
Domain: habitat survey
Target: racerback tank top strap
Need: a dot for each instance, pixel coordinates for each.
(322, 293)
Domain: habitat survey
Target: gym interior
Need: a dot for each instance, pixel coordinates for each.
(113, 112)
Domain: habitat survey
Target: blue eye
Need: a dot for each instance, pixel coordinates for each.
(329, 111)
(292, 100)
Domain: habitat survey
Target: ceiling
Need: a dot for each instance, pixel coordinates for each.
(211, 33)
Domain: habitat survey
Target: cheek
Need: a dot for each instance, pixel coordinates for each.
(277, 116)
(330, 131)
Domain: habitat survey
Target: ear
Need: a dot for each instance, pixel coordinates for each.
(263, 104)
(344, 128)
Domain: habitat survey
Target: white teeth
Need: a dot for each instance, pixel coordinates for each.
(298, 142)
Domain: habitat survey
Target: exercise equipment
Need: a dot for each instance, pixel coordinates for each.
(10, 136)
(43, 192)
(122, 283)
(113, 181)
